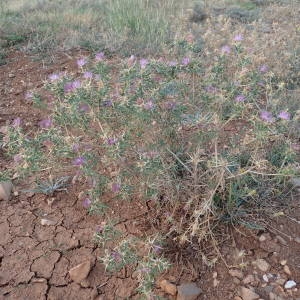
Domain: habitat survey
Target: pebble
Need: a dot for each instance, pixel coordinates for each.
(262, 264)
(188, 291)
(249, 279)
(290, 284)
(265, 278)
(248, 294)
(287, 270)
(47, 222)
(5, 190)
(168, 287)
(80, 272)
(283, 262)
(236, 273)
(215, 282)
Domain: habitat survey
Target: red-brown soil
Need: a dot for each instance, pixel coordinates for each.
(35, 259)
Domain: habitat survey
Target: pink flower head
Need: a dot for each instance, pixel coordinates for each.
(79, 161)
(143, 63)
(240, 98)
(72, 86)
(112, 141)
(46, 123)
(83, 107)
(149, 105)
(266, 116)
(185, 61)
(28, 95)
(172, 63)
(99, 56)
(263, 68)
(87, 75)
(238, 38)
(86, 203)
(81, 62)
(16, 122)
(116, 187)
(226, 49)
(18, 158)
(284, 115)
(53, 77)
(75, 147)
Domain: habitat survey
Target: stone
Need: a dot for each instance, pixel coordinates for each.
(188, 291)
(236, 273)
(80, 272)
(249, 279)
(295, 182)
(265, 278)
(5, 190)
(264, 237)
(248, 294)
(47, 222)
(287, 270)
(290, 284)
(215, 282)
(262, 264)
(237, 298)
(168, 287)
(283, 262)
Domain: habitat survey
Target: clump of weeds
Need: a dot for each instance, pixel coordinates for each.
(202, 137)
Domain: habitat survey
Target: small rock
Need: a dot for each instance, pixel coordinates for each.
(249, 279)
(295, 182)
(11, 75)
(85, 283)
(237, 298)
(236, 273)
(168, 287)
(47, 222)
(283, 262)
(297, 240)
(215, 282)
(287, 270)
(80, 272)
(248, 294)
(215, 275)
(265, 278)
(264, 237)
(5, 190)
(262, 264)
(188, 291)
(281, 240)
(290, 284)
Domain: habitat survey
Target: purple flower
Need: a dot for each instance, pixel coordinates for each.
(185, 61)
(99, 228)
(81, 62)
(149, 105)
(266, 116)
(46, 123)
(28, 95)
(143, 63)
(211, 89)
(116, 255)
(115, 187)
(72, 86)
(99, 56)
(240, 98)
(87, 75)
(263, 68)
(112, 141)
(107, 103)
(226, 49)
(157, 248)
(79, 161)
(16, 122)
(172, 63)
(284, 115)
(86, 203)
(238, 38)
(75, 147)
(83, 107)
(170, 105)
(54, 77)
(18, 158)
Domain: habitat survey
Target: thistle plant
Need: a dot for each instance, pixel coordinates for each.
(202, 136)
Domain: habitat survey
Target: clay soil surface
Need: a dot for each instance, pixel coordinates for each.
(35, 259)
